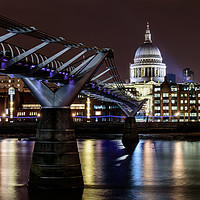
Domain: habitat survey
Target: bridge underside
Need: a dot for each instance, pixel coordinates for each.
(55, 162)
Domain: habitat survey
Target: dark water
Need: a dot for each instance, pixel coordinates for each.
(154, 170)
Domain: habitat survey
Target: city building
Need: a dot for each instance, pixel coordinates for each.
(176, 102)
(18, 104)
(7, 82)
(188, 75)
(146, 71)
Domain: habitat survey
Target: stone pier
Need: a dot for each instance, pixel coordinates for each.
(130, 134)
(55, 162)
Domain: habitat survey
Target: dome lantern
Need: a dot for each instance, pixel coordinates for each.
(148, 35)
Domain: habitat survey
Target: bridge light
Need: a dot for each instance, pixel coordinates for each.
(88, 108)
(177, 114)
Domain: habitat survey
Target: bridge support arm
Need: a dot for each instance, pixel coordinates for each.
(40, 91)
(7, 36)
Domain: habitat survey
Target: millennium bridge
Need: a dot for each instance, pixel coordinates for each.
(87, 70)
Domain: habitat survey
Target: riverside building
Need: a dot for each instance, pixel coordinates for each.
(18, 104)
(173, 102)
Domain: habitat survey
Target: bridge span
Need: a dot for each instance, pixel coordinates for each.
(88, 70)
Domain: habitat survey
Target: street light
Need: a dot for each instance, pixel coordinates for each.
(177, 115)
(147, 115)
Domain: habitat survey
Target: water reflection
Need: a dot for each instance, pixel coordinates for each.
(14, 156)
(154, 170)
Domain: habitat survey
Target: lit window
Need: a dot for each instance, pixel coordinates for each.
(18, 85)
(186, 114)
(181, 101)
(186, 108)
(9, 81)
(77, 106)
(157, 114)
(157, 108)
(100, 107)
(185, 95)
(181, 95)
(156, 95)
(174, 94)
(165, 94)
(157, 101)
(165, 107)
(192, 101)
(181, 108)
(174, 107)
(173, 101)
(198, 94)
(199, 101)
(185, 101)
(193, 114)
(157, 89)
(165, 114)
(97, 113)
(173, 88)
(165, 100)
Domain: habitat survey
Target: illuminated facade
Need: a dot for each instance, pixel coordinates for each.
(148, 64)
(6, 82)
(144, 91)
(22, 106)
(176, 102)
(147, 71)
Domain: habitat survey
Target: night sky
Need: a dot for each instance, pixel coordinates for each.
(120, 25)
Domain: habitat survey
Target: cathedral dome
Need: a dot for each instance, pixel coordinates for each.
(147, 50)
(148, 65)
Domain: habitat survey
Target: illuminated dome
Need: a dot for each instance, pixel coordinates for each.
(147, 51)
(147, 62)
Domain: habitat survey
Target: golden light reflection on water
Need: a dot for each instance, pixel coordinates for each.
(8, 169)
(88, 162)
(149, 164)
(178, 167)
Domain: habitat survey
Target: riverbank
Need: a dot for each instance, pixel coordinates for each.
(189, 131)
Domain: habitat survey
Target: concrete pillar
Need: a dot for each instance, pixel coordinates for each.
(55, 162)
(130, 134)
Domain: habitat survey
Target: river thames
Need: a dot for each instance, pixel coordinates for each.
(154, 170)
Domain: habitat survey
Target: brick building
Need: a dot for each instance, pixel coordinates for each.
(176, 102)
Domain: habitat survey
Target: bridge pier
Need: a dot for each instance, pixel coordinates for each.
(55, 162)
(130, 134)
